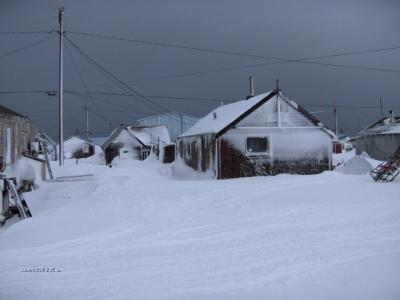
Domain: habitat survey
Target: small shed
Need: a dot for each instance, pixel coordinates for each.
(264, 135)
(135, 142)
(380, 139)
(75, 147)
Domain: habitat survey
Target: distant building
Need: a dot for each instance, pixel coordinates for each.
(175, 122)
(265, 135)
(75, 147)
(381, 139)
(135, 142)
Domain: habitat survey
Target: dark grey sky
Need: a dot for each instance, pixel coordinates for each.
(284, 28)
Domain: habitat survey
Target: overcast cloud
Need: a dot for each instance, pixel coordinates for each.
(284, 28)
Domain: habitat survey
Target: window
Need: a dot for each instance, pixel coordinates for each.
(257, 145)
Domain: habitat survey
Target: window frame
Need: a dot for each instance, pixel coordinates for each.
(267, 137)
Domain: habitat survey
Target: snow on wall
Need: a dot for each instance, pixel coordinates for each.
(129, 145)
(267, 115)
(286, 143)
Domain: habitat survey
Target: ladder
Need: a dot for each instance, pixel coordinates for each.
(44, 149)
(48, 164)
(19, 199)
(388, 170)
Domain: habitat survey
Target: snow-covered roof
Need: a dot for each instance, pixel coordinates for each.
(73, 144)
(150, 135)
(177, 123)
(384, 126)
(222, 116)
(147, 136)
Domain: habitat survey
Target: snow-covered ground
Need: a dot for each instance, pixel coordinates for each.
(134, 232)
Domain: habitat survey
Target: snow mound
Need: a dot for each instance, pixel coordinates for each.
(179, 170)
(358, 165)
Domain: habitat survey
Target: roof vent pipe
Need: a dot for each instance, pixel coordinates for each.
(251, 81)
(392, 118)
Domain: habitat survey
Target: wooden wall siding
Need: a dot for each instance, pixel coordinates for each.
(235, 164)
(169, 154)
(198, 152)
(23, 132)
(111, 152)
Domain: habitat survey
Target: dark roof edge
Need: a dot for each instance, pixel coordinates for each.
(116, 132)
(246, 113)
(11, 112)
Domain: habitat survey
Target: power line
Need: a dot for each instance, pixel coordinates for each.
(89, 93)
(157, 97)
(30, 45)
(170, 45)
(307, 60)
(234, 53)
(178, 98)
(27, 32)
(188, 74)
(123, 86)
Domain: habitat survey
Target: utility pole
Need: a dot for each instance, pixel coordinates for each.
(87, 120)
(381, 106)
(61, 90)
(181, 123)
(336, 119)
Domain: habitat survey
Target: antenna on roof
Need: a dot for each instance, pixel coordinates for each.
(251, 81)
(277, 89)
(278, 102)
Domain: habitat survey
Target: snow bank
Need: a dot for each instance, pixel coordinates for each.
(131, 233)
(179, 170)
(357, 166)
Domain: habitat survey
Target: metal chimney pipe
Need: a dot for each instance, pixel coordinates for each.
(392, 118)
(251, 81)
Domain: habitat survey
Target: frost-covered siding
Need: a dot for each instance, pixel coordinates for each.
(21, 133)
(290, 150)
(378, 146)
(199, 153)
(381, 139)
